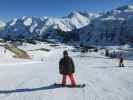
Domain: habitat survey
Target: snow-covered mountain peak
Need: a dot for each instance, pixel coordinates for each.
(2, 24)
(13, 22)
(85, 14)
(74, 14)
(28, 21)
(125, 8)
(24, 17)
(45, 25)
(80, 19)
(43, 18)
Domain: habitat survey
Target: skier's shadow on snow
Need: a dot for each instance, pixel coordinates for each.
(52, 86)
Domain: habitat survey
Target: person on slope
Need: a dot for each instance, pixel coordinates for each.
(67, 68)
(121, 60)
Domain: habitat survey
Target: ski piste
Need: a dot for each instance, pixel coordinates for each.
(103, 78)
(70, 86)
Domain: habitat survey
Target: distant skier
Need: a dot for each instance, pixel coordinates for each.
(67, 68)
(5, 50)
(106, 52)
(121, 60)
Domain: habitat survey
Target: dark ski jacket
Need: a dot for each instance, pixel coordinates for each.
(66, 66)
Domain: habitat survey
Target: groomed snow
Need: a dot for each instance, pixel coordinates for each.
(33, 79)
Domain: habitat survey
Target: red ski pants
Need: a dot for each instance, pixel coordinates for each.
(73, 82)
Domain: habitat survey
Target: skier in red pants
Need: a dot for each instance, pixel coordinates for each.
(67, 68)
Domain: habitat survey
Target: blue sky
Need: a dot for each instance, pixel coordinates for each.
(17, 8)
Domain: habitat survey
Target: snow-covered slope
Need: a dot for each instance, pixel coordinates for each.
(32, 80)
(114, 26)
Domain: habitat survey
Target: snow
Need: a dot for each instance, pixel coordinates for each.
(13, 22)
(130, 6)
(79, 20)
(112, 18)
(126, 8)
(56, 23)
(33, 79)
(2, 24)
(28, 22)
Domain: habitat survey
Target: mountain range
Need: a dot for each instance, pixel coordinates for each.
(29, 26)
(115, 26)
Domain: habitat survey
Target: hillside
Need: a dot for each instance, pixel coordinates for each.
(34, 79)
